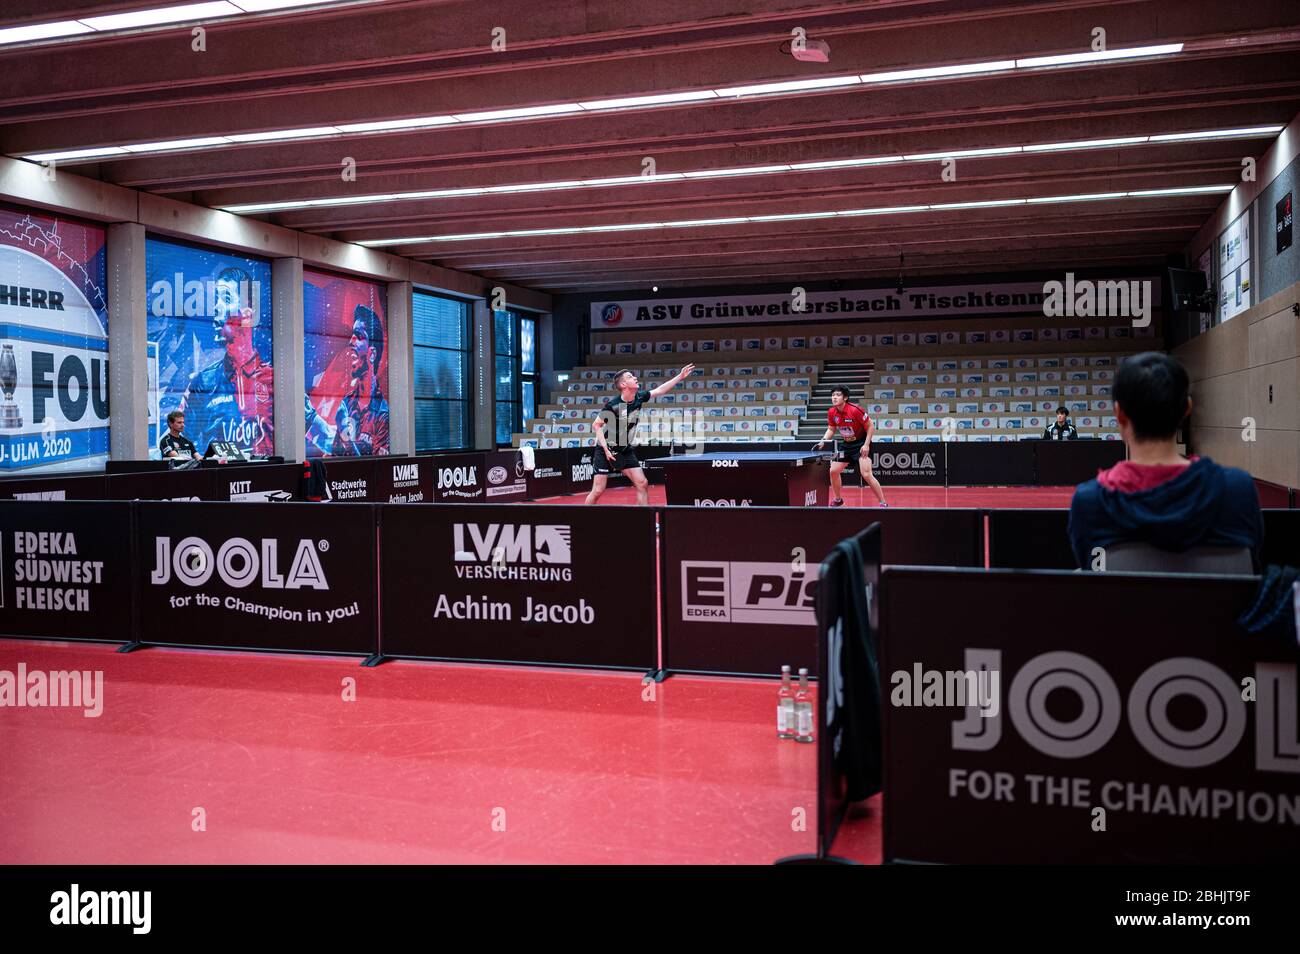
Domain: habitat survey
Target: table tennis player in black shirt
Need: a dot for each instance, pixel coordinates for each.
(614, 427)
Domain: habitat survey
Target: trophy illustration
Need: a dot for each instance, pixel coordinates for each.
(10, 417)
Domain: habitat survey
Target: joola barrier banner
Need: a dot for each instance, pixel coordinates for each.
(739, 582)
(65, 570)
(904, 464)
(459, 478)
(560, 585)
(265, 576)
(1113, 719)
(404, 479)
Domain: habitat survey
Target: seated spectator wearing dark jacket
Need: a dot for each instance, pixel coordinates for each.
(1157, 496)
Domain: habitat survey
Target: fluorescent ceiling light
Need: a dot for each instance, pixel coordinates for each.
(1094, 56)
(1086, 144)
(628, 180)
(259, 207)
(792, 215)
(845, 163)
(934, 72)
(42, 31)
(632, 227)
(1085, 197)
(153, 17)
(521, 113)
(661, 99)
(795, 216)
(1218, 134)
(78, 154)
(790, 86)
(261, 6)
(736, 171)
(990, 204)
(441, 193)
(417, 122)
(633, 102)
(1189, 190)
(535, 187)
(697, 223)
(963, 153)
(161, 15)
(274, 134)
(885, 210)
(177, 144)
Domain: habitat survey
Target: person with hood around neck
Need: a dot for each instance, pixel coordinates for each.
(1158, 496)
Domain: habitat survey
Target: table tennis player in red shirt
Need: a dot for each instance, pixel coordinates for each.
(848, 423)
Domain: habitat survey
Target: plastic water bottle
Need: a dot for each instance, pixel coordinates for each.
(803, 709)
(785, 706)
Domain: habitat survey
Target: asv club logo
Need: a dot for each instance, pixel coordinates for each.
(510, 551)
(611, 314)
(239, 563)
(742, 592)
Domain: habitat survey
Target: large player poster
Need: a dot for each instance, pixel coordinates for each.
(346, 363)
(53, 344)
(210, 346)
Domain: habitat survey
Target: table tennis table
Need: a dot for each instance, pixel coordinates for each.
(747, 479)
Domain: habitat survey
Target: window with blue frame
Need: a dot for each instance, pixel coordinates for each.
(505, 354)
(440, 334)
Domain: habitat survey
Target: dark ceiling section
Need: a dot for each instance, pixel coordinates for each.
(1240, 67)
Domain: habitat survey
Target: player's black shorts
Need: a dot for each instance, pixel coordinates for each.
(623, 460)
(850, 451)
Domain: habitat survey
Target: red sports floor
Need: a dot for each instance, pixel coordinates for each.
(994, 498)
(427, 764)
(578, 765)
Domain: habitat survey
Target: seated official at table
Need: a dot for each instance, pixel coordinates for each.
(174, 444)
(1062, 429)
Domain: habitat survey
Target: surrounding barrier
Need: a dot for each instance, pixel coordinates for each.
(288, 577)
(738, 582)
(974, 464)
(499, 476)
(849, 754)
(54, 487)
(1039, 539)
(571, 586)
(1116, 728)
(67, 570)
